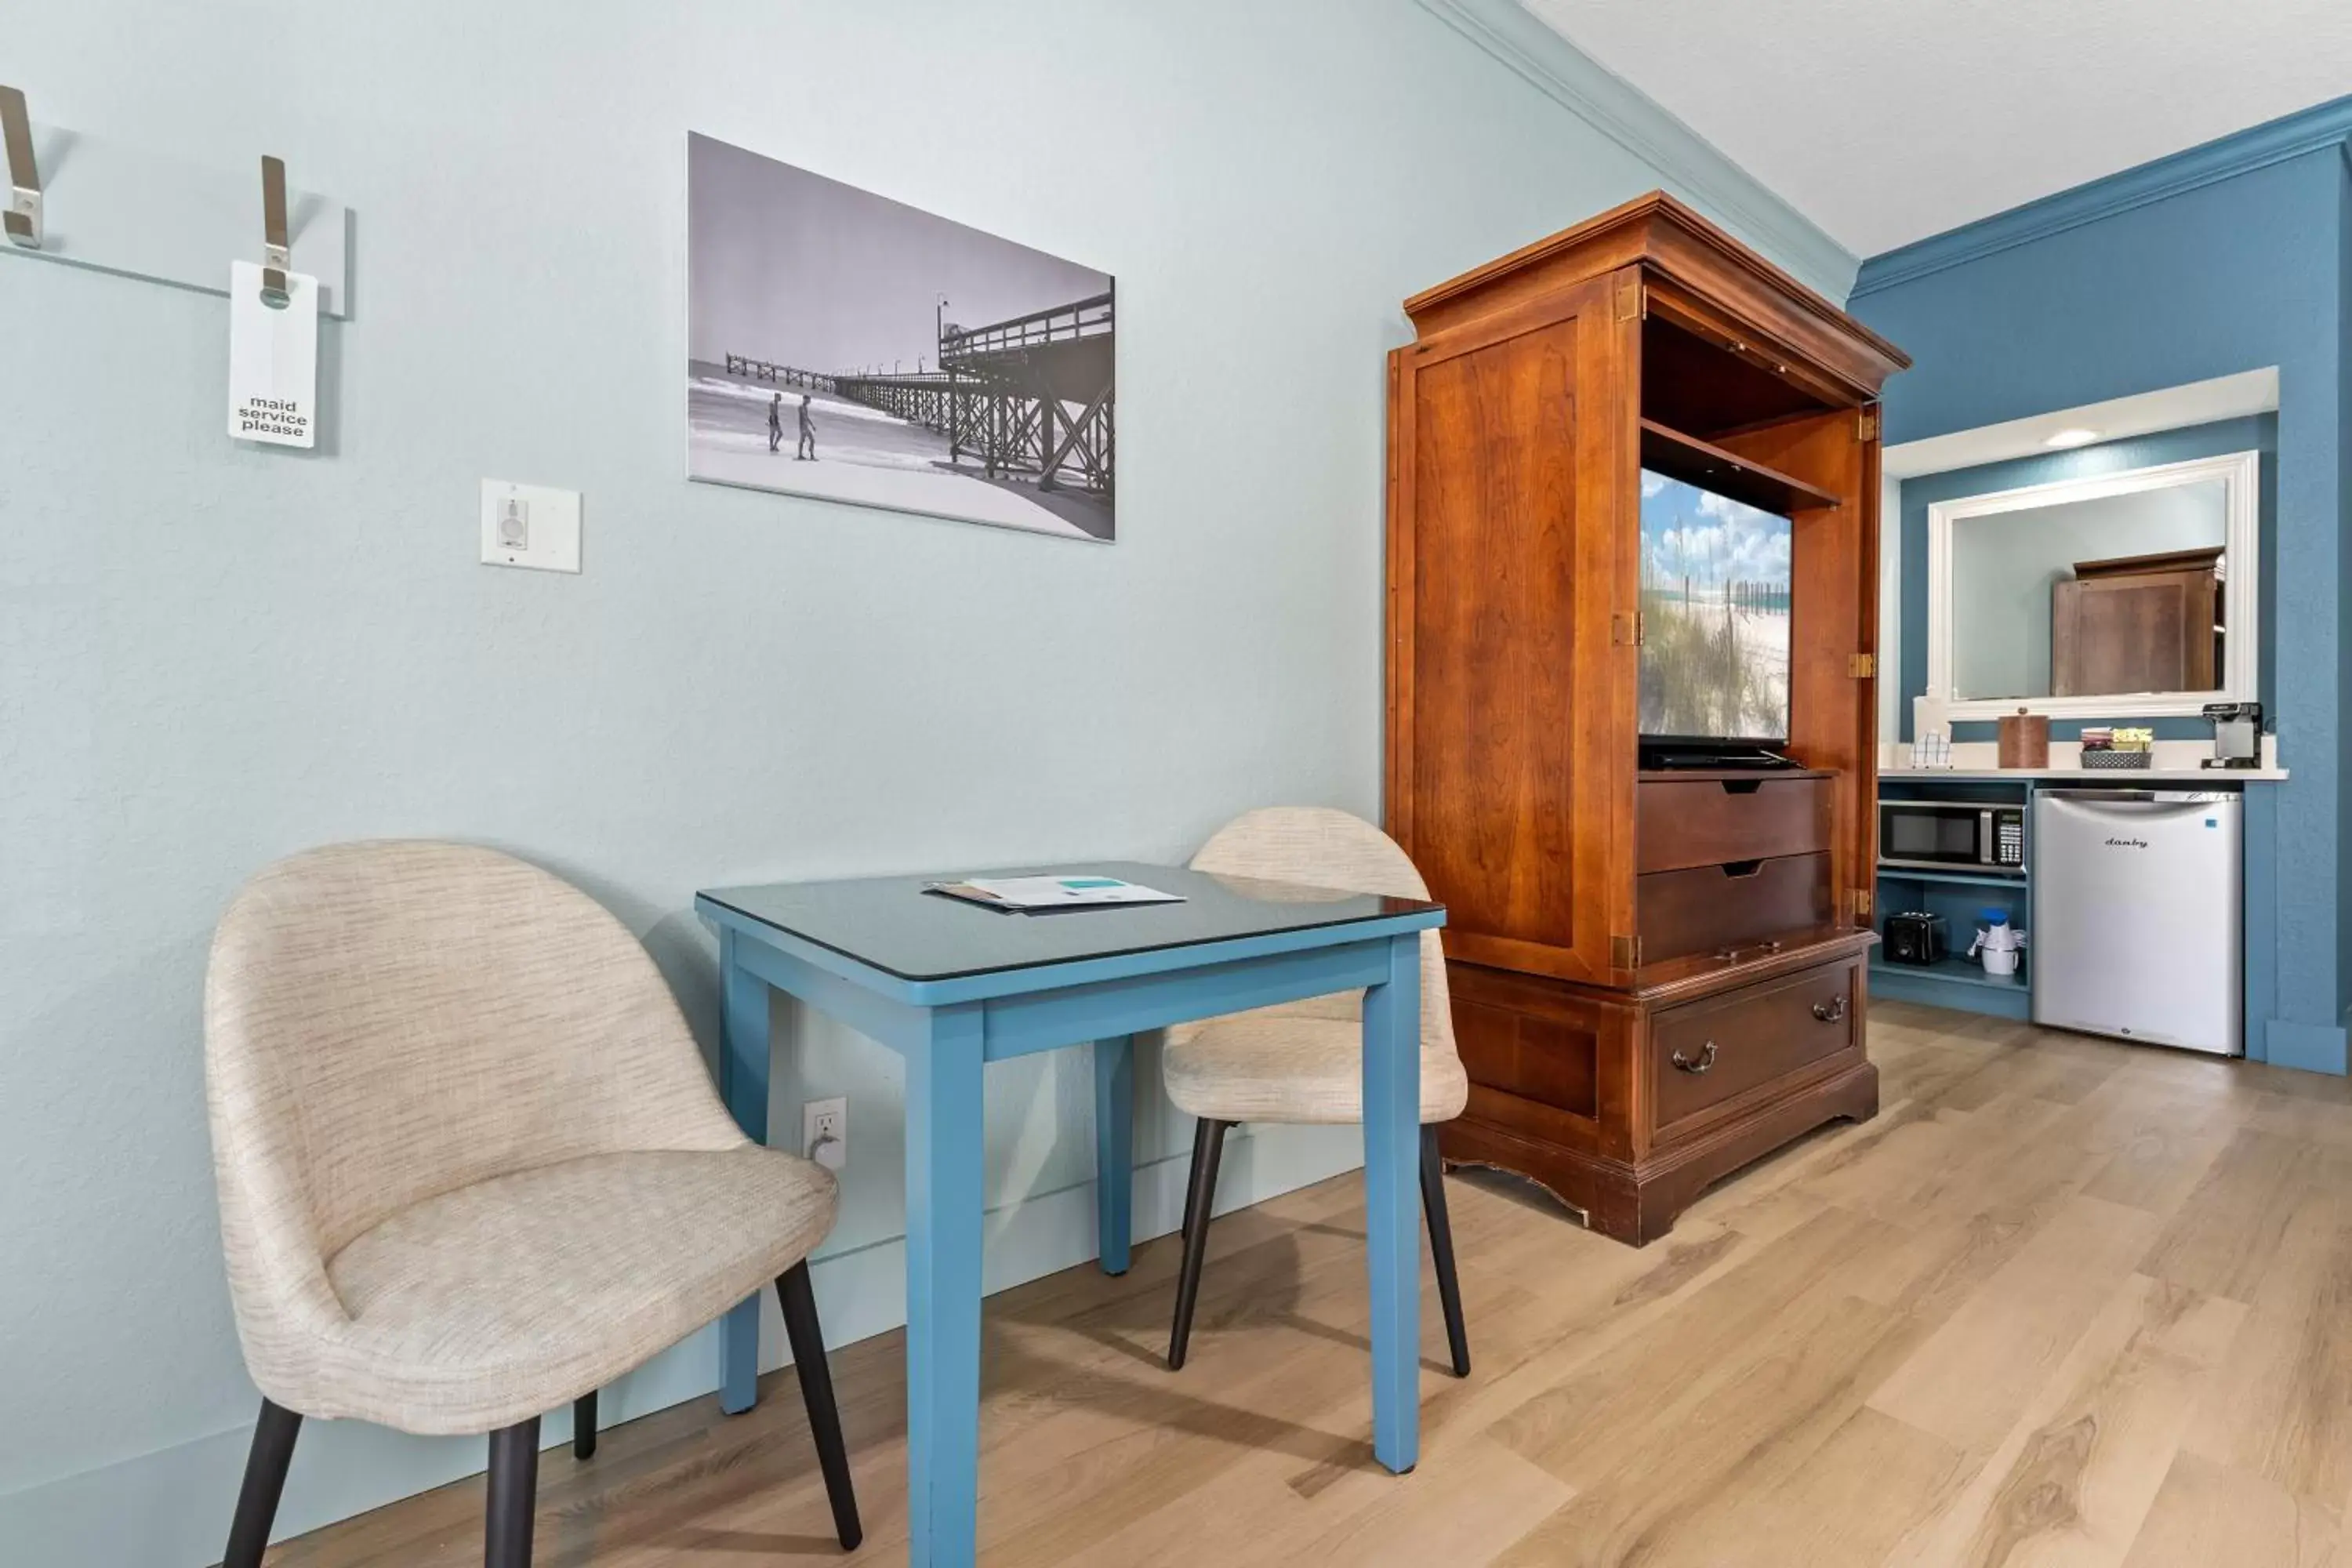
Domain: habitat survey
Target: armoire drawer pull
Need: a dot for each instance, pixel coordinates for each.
(1831, 1011)
(1705, 1059)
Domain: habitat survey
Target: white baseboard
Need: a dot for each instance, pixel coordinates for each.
(170, 1509)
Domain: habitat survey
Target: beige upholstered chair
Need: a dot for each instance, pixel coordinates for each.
(471, 1166)
(1303, 1062)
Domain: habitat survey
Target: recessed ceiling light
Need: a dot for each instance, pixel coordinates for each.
(2072, 435)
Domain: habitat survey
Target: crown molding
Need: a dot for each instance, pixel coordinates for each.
(1686, 164)
(2274, 141)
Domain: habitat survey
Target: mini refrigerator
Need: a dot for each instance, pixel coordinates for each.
(2138, 915)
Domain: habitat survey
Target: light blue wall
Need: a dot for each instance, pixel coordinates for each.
(210, 656)
(2086, 299)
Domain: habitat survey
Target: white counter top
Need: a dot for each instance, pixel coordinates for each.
(2175, 762)
(2120, 778)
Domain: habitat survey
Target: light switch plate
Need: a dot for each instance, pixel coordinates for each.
(530, 525)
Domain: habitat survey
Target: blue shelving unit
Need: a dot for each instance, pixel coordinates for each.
(1957, 981)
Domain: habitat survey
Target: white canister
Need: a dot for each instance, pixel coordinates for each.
(1998, 943)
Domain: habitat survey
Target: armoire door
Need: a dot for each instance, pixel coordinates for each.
(1511, 708)
(1834, 687)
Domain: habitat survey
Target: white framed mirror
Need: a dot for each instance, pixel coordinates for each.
(2121, 596)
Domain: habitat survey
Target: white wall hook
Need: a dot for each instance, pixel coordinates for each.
(126, 209)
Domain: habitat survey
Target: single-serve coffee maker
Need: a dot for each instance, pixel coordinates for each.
(2237, 734)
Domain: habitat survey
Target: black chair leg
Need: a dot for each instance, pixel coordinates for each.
(514, 1494)
(584, 1425)
(1199, 1205)
(1441, 1250)
(799, 1301)
(265, 1483)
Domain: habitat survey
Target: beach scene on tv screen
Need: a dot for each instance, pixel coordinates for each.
(1715, 607)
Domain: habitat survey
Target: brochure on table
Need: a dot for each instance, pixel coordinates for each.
(1037, 895)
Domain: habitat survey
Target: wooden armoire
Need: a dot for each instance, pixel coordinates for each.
(1657, 977)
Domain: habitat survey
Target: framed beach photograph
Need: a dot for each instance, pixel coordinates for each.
(849, 347)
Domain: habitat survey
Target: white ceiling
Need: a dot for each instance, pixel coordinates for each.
(1888, 120)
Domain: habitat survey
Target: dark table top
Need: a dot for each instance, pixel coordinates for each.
(891, 924)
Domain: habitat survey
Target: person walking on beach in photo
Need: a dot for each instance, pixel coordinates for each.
(808, 434)
(776, 421)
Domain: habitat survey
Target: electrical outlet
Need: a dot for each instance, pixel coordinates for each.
(824, 1133)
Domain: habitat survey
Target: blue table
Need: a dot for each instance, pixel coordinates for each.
(952, 987)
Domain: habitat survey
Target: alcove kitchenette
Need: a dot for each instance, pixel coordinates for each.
(2078, 828)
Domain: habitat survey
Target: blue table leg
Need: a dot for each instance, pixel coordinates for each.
(1114, 1149)
(1393, 1202)
(944, 1173)
(743, 1065)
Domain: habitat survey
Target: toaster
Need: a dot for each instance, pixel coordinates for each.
(1914, 936)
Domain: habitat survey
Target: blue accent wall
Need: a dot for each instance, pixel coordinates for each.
(2235, 272)
(2258, 433)
(2343, 181)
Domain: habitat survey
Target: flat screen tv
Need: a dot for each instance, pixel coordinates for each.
(1714, 620)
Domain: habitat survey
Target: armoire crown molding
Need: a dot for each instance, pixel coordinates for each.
(1687, 165)
(2226, 157)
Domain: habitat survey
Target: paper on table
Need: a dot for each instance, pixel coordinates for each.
(1029, 894)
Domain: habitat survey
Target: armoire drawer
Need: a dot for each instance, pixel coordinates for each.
(1710, 1051)
(1683, 822)
(1705, 907)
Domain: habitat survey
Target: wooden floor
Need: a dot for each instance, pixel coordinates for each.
(2064, 1302)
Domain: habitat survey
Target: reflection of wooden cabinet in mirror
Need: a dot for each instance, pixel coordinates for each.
(2137, 623)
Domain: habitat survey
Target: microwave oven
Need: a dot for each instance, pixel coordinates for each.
(1953, 834)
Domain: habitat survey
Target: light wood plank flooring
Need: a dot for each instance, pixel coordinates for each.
(2064, 1302)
